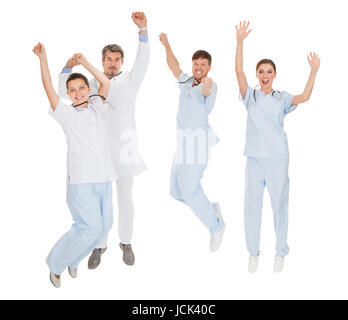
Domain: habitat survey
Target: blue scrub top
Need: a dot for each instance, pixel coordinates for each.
(195, 137)
(265, 135)
(194, 108)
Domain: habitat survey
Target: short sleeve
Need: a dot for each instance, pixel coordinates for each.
(182, 79)
(62, 112)
(104, 109)
(248, 95)
(287, 99)
(210, 100)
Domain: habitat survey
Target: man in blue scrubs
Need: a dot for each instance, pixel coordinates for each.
(195, 139)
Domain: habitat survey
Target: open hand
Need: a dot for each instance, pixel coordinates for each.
(242, 31)
(314, 61)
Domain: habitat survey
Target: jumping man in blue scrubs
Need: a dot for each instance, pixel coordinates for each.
(267, 149)
(195, 139)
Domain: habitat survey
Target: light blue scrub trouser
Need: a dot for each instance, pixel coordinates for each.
(186, 187)
(91, 209)
(273, 173)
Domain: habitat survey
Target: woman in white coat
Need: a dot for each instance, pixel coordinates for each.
(90, 168)
(267, 149)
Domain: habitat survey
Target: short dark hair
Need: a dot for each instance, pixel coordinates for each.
(75, 76)
(202, 54)
(112, 48)
(266, 61)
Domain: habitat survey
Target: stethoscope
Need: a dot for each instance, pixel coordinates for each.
(96, 95)
(116, 75)
(198, 82)
(91, 96)
(189, 79)
(272, 93)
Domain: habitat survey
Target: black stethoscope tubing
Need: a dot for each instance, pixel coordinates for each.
(93, 95)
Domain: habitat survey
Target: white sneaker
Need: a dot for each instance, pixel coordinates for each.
(72, 272)
(216, 237)
(253, 262)
(55, 281)
(278, 264)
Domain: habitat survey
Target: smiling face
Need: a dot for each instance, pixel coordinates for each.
(112, 63)
(78, 91)
(200, 68)
(266, 74)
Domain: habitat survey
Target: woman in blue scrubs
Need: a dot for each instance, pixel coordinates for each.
(267, 149)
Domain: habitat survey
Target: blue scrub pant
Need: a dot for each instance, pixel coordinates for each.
(186, 187)
(273, 173)
(91, 209)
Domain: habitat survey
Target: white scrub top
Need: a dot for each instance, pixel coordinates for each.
(265, 135)
(89, 159)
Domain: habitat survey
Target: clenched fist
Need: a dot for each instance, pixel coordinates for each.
(164, 39)
(39, 50)
(72, 62)
(80, 58)
(207, 82)
(139, 19)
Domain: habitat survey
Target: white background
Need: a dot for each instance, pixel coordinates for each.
(170, 244)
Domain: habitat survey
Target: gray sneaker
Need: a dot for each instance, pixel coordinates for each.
(128, 255)
(94, 259)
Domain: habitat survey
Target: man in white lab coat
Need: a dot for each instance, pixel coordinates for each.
(122, 130)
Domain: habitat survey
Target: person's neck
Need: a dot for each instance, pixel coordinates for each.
(267, 91)
(195, 82)
(110, 77)
(82, 105)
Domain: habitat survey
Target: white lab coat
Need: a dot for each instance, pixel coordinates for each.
(122, 137)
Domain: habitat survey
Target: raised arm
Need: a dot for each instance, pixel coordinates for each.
(64, 75)
(172, 62)
(242, 33)
(104, 82)
(314, 62)
(143, 53)
(52, 96)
